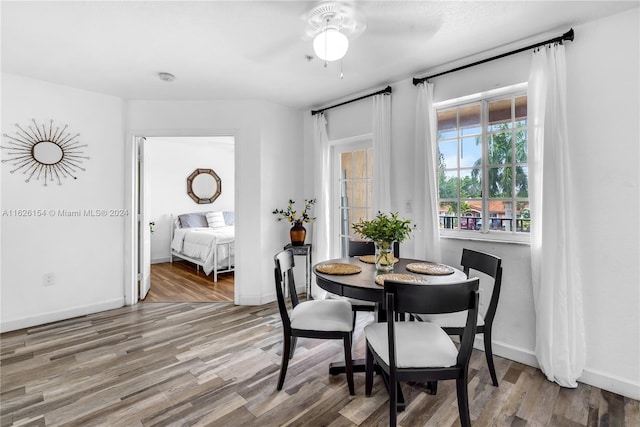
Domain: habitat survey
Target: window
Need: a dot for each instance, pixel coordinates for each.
(482, 165)
(353, 163)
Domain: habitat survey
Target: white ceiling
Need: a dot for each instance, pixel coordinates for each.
(257, 49)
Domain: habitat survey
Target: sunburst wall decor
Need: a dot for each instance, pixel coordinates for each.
(50, 154)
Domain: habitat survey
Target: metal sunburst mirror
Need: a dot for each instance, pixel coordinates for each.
(50, 154)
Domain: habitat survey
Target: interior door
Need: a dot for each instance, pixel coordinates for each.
(144, 230)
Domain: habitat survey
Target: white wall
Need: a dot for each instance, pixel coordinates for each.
(170, 160)
(83, 252)
(603, 110)
(603, 130)
(282, 175)
(260, 129)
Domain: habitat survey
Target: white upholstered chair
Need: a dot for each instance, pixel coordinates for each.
(422, 351)
(326, 319)
(453, 323)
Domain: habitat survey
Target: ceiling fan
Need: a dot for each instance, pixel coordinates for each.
(341, 22)
(331, 24)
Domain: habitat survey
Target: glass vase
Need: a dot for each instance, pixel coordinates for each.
(384, 256)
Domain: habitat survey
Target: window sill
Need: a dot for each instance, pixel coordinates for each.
(487, 237)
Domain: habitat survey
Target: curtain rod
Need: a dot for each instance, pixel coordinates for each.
(566, 36)
(384, 91)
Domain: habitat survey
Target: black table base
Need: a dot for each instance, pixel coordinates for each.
(337, 368)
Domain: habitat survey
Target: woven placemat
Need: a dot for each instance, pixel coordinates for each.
(371, 259)
(430, 268)
(338, 269)
(400, 277)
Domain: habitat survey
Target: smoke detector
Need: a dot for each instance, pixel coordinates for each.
(166, 77)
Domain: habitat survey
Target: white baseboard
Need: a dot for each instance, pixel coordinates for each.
(250, 300)
(263, 299)
(54, 316)
(160, 260)
(610, 383)
(592, 377)
(508, 351)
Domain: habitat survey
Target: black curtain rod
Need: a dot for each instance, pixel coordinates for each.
(566, 36)
(380, 92)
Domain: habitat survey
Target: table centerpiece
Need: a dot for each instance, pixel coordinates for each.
(384, 230)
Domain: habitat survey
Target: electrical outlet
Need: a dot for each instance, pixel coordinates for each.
(408, 206)
(49, 279)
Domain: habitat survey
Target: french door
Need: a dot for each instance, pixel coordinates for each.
(353, 190)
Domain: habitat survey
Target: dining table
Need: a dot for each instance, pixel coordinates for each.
(357, 278)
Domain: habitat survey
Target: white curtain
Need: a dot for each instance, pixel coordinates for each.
(557, 288)
(425, 203)
(381, 153)
(321, 183)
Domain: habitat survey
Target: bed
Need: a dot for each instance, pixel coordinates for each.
(205, 239)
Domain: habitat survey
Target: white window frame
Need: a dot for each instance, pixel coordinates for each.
(485, 234)
(337, 147)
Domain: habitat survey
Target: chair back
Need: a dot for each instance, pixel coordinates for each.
(366, 247)
(434, 299)
(490, 265)
(285, 283)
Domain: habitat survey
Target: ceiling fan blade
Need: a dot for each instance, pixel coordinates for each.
(273, 50)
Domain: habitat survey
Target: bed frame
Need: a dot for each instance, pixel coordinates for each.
(175, 223)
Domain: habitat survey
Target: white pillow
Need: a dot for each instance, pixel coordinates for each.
(215, 219)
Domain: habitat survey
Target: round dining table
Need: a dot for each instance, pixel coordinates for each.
(361, 285)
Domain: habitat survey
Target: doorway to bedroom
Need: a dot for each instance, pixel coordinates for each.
(183, 179)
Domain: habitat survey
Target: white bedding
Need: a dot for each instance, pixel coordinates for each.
(201, 243)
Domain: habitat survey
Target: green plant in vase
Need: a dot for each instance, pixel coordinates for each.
(384, 230)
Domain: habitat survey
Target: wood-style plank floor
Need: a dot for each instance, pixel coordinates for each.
(216, 364)
(180, 281)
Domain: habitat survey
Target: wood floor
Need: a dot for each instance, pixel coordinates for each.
(216, 364)
(181, 282)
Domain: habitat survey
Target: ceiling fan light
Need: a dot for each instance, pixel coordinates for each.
(330, 44)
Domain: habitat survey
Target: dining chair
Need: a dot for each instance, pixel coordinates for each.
(422, 351)
(366, 247)
(324, 319)
(453, 323)
(359, 248)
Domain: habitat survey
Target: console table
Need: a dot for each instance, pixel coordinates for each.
(304, 250)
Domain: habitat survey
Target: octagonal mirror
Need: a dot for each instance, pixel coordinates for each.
(204, 186)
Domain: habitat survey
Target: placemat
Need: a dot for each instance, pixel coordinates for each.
(430, 268)
(371, 259)
(338, 269)
(400, 277)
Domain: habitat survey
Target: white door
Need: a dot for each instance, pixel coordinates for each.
(144, 230)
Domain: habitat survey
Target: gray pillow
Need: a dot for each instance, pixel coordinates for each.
(193, 220)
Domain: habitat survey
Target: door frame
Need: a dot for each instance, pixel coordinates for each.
(132, 198)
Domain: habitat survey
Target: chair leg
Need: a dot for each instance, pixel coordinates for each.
(285, 360)
(353, 321)
(294, 341)
(348, 363)
(368, 379)
(488, 352)
(463, 401)
(393, 400)
(432, 387)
